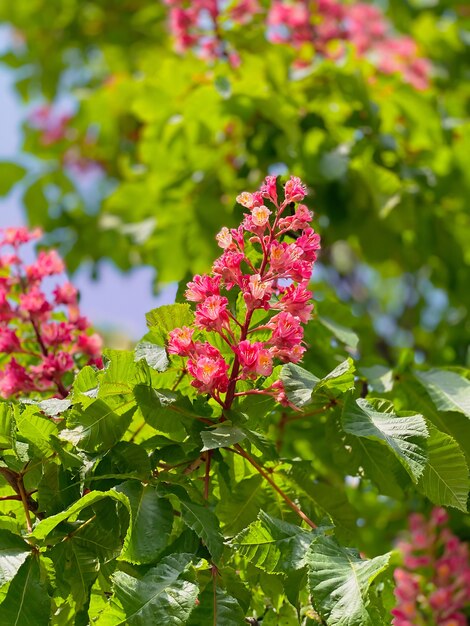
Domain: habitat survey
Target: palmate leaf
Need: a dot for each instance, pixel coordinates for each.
(339, 581)
(160, 597)
(96, 428)
(152, 521)
(448, 390)
(404, 436)
(445, 480)
(273, 545)
(27, 601)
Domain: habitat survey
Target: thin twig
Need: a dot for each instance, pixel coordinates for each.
(207, 474)
(239, 450)
(24, 499)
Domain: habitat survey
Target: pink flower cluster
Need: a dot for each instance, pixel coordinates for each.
(433, 586)
(362, 25)
(268, 260)
(54, 127)
(39, 343)
(196, 24)
(324, 24)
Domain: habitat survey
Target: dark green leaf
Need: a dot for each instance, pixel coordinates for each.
(273, 545)
(160, 597)
(152, 521)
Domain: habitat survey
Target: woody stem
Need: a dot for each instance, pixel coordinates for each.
(239, 450)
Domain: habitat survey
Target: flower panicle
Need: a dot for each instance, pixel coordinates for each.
(268, 260)
(42, 332)
(433, 585)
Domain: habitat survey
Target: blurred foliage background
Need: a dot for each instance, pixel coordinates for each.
(136, 152)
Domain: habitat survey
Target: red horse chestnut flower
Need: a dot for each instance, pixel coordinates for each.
(269, 271)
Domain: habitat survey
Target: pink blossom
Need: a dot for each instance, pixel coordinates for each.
(53, 366)
(66, 294)
(260, 285)
(296, 300)
(282, 257)
(6, 312)
(56, 334)
(243, 10)
(269, 189)
(257, 292)
(17, 236)
(14, 379)
(224, 238)
(47, 264)
(309, 243)
(90, 345)
(228, 267)
(212, 313)
(260, 216)
(9, 342)
(209, 373)
(181, 341)
(201, 287)
(35, 302)
(295, 190)
(254, 358)
(287, 331)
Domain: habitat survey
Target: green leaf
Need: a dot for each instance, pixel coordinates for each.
(221, 436)
(168, 317)
(205, 524)
(152, 521)
(96, 428)
(6, 427)
(10, 174)
(13, 553)
(344, 334)
(405, 436)
(445, 480)
(339, 581)
(448, 390)
(160, 597)
(161, 409)
(36, 428)
(298, 383)
(155, 356)
(47, 525)
(340, 379)
(27, 602)
(227, 610)
(273, 545)
(240, 504)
